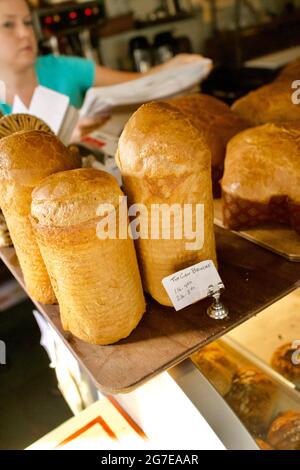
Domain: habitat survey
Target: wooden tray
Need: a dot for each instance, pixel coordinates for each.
(254, 278)
(275, 237)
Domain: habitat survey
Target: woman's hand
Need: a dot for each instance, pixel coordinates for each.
(105, 76)
(87, 125)
(177, 61)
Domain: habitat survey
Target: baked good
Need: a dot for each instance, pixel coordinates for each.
(166, 163)
(25, 159)
(282, 362)
(217, 366)
(284, 432)
(290, 72)
(261, 181)
(8, 125)
(270, 103)
(252, 397)
(21, 122)
(96, 281)
(263, 445)
(218, 124)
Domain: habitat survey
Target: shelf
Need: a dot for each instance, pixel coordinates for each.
(254, 278)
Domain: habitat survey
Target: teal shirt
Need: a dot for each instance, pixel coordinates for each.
(72, 76)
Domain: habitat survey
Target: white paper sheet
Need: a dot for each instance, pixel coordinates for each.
(152, 87)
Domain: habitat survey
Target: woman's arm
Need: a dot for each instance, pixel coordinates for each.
(105, 76)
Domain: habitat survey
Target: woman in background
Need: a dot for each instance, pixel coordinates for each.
(22, 70)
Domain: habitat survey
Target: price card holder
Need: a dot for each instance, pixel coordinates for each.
(217, 310)
(194, 283)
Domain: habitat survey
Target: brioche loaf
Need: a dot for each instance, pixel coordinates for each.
(261, 181)
(217, 122)
(164, 159)
(96, 281)
(25, 158)
(9, 125)
(270, 103)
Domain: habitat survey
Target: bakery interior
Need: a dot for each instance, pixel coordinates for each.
(86, 325)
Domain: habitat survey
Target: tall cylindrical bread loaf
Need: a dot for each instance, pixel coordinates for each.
(217, 122)
(164, 159)
(25, 159)
(96, 280)
(9, 125)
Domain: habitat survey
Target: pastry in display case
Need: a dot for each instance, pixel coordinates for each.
(284, 433)
(217, 366)
(256, 398)
(110, 303)
(264, 355)
(165, 162)
(217, 122)
(252, 396)
(26, 157)
(282, 363)
(263, 445)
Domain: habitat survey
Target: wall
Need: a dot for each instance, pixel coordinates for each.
(115, 49)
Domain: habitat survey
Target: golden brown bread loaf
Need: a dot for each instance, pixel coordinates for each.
(164, 159)
(25, 159)
(218, 124)
(290, 72)
(270, 103)
(284, 433)
(9, 125)
(261, 181)
(252, 397)
(96, 281)
(217, 366)
(282, 362)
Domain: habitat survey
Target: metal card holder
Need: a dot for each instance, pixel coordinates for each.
(217, 311)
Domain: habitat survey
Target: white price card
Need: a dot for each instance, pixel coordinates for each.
(191, 284)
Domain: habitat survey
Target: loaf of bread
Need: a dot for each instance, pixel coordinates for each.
(282, 362)
(25, 159)
(284, 433)
(96, 280)
(165, 161)
(217, 122)
(290, 72)
(261, 181)
(9, 125)
(270, 103)
(252, 397)
(217, 366)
